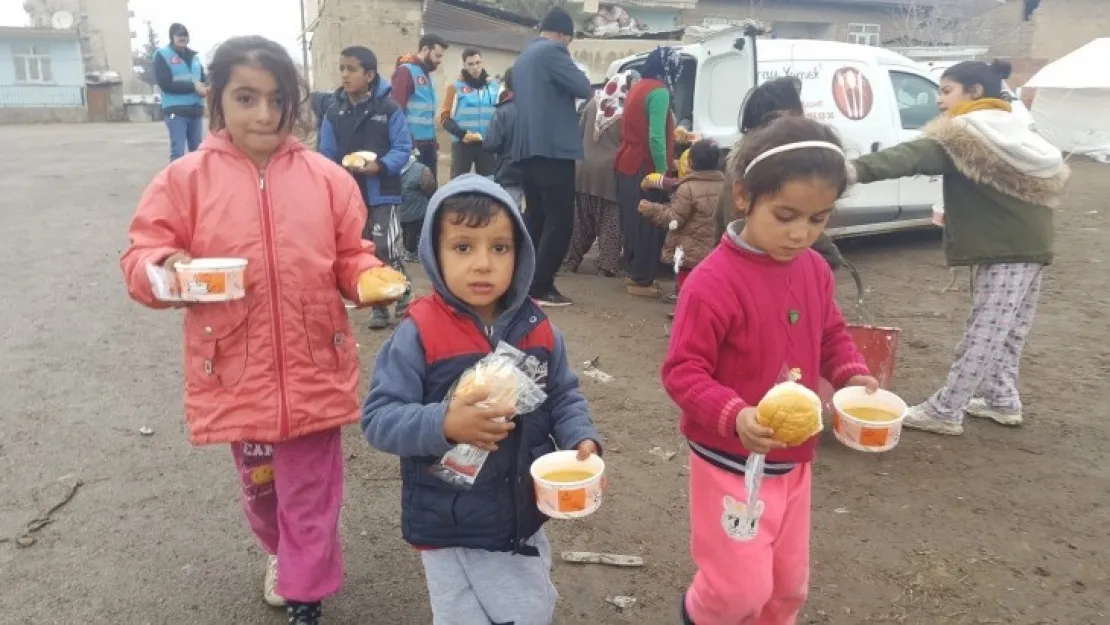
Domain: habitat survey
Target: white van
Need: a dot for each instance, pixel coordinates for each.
(873, 97)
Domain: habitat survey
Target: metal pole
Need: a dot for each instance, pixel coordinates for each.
(304, 47)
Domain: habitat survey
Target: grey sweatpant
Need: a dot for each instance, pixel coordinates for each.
(1003, 304)
(475, 587)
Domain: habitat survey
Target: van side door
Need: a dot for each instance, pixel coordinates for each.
(915, 93)
(849, 96)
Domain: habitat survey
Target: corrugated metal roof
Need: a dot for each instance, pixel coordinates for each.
(470, 26)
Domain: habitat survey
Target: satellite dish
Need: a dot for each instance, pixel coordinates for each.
(62, 20)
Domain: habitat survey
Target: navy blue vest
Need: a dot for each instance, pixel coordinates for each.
(499, 512)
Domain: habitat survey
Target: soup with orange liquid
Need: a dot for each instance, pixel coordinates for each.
(567, 476)
(871, 414)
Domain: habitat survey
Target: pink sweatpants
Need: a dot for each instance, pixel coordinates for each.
(292, 496)
(744, 579)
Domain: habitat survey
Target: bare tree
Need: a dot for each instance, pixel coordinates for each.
(925, 23)
(143, 59)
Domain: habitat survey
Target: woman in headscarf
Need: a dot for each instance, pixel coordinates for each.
(596, 214)
(647, 146)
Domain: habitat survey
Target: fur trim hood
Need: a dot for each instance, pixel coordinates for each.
(995, 149)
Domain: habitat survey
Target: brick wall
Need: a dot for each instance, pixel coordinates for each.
(1062, 26)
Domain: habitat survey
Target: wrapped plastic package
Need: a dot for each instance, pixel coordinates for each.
(501, 372)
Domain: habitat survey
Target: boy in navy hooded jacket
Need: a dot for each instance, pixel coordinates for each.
(485, 554)
(362, 117)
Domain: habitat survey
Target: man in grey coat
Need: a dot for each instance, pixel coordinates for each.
(546, 143)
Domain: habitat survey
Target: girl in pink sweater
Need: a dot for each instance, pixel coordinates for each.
(758, 308)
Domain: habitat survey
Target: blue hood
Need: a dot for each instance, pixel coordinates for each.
(384, 87)
(525, 252)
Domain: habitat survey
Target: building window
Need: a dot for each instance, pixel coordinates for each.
(864, 34)
(32, 64)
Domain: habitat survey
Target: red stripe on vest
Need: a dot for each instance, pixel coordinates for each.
(446, 332)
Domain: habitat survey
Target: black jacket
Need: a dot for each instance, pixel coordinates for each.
(376, 124)
(167, 84)
(499, 140)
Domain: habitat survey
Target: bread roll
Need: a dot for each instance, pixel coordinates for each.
(499, 377)
(792, 411)
(381, 284)
(358, 160)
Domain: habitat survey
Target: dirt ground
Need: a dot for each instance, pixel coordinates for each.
(999, 526)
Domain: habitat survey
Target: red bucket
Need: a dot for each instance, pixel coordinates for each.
(878, 346)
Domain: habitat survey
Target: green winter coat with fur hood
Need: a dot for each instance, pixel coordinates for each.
(1001, 184)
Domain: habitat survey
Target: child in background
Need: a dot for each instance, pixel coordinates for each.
(499, 140)
(689, 215)
(485, 554)
(417, 186)
(781, 97)
(365, 118)
(759, 307)
(275, 375)
(1001, 183)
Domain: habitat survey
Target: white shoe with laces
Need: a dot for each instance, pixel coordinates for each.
(269, 587)
(979, 408)
(918, 419)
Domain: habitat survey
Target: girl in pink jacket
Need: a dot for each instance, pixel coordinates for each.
(274, 374)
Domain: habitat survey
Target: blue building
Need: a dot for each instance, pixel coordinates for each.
(42, 76)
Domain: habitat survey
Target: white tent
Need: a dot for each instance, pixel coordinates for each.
(1072, 105)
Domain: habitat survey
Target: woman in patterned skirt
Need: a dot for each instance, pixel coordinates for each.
(596, 214)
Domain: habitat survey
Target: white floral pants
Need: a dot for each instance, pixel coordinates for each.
(1003, 304)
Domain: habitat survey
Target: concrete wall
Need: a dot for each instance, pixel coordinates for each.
(832, 20)
(597, 54)
(43, 115)
(110, 35)
(1056, 28)
(388, 27)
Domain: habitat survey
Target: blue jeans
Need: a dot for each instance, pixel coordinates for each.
(184, 132)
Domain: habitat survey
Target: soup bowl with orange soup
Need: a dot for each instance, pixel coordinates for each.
(865, 421)
(566, 487)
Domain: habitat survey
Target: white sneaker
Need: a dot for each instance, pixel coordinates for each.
(269, 587)
(979, 408)
(918, 419)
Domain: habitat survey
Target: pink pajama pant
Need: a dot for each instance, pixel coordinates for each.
(292, 496)
(743, 579)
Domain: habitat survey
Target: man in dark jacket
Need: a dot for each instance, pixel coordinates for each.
(547, 143)
(364, 118)
(180, 76)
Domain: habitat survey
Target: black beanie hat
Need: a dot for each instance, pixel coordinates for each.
(178, 29)
(558, 21)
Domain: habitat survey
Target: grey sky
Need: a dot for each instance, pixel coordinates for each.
(209, 21)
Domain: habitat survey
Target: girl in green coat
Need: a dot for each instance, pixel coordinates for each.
(1001, 184)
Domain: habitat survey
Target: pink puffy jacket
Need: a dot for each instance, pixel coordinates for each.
(282, 362)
